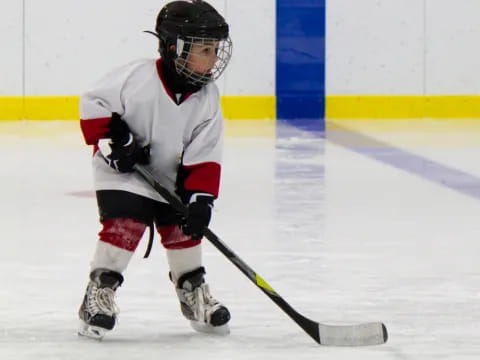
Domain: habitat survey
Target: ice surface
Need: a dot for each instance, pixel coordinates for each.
(344, 238)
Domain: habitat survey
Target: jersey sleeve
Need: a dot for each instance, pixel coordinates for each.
(98, 103)
(200, 168)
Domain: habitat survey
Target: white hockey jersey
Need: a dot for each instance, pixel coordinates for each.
(185, 135)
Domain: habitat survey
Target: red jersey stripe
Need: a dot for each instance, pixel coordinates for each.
(204, 177)
(94, 129)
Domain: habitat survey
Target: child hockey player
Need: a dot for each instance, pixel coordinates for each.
(165, 114)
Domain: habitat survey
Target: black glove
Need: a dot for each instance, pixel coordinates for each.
(125, 150)
(198, 216)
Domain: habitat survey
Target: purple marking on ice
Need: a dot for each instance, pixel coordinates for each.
(85, 193)
(415, 164)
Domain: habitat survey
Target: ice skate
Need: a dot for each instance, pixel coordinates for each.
(205, 313)
(98, 312)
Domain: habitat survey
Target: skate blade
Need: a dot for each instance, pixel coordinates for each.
(209, 329)
(92, 332)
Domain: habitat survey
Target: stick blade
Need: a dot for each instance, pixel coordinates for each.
(374, 333)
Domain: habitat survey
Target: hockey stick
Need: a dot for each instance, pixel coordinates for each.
(374, 333)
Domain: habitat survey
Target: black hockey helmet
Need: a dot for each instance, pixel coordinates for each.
(186, 23)
(195, 18)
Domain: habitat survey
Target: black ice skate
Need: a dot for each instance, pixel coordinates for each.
(204, 312)
(98, 312)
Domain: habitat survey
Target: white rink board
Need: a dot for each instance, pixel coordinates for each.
(11, 73)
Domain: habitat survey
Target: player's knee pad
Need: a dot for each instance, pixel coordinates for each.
(122, 232)
(173, 238)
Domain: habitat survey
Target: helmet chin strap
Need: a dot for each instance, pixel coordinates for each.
(151, 32)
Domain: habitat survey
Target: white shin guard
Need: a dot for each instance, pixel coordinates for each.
(182, 261)
(110, 257)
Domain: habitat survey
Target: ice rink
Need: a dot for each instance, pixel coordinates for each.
(363, 224)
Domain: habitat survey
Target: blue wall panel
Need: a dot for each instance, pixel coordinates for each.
(300, 65)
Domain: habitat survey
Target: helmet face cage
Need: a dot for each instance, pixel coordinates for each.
(183, 62)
